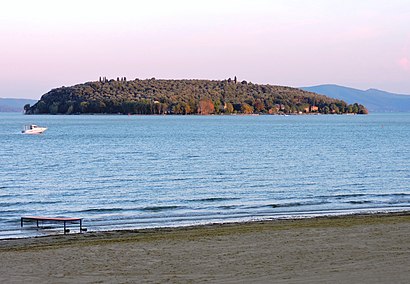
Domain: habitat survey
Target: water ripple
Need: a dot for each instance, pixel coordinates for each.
(117, 172)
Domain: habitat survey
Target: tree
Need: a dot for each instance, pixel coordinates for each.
(363, 110)
(70, 109)
(355, 108)
(247, 109)
(217, 105)
(177, 109)
(84, 107)
(41, 107)
(187, 108)
(206, 107)
(26, 108)
(228, 108)
(259, 106)
(334, 108)
(96, 107)
(53, 108)
(164, 108)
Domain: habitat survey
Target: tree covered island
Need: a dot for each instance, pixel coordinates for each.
(152, 96)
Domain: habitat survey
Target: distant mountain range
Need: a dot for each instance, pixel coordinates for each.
(374, 100)
(14, 105)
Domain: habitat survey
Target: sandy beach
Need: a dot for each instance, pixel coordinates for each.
(351, 249)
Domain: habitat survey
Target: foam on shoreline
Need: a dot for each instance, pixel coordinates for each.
(207, 229)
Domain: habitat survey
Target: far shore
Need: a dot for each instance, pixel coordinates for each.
(347, 249)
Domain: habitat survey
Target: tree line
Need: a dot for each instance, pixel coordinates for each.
(184, 97)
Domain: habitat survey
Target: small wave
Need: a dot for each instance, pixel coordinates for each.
(7, 195)
(10, 204)
(160, 208)
(101, 210)
(295, 204)
(192, 156)
(393, 194)
(228, 207)
(353, 195)
(349, 195)
(360, 201)
(179, 179)
(213, 199)
(10, 221)
(341, 196)
(405, 201)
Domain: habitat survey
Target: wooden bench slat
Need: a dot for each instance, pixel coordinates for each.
(40, 218)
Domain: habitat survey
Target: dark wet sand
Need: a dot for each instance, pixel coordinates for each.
(353, 249)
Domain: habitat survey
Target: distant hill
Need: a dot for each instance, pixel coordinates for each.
(14, 105)
(152, 96)
(374, 100)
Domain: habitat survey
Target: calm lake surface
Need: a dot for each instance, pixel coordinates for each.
(122, 172)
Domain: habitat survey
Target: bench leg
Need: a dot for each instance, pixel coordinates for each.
(81, 226)
(64, 228)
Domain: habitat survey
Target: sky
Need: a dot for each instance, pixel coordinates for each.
(45, 44)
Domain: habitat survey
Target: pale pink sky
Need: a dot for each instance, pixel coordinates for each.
(357, 43)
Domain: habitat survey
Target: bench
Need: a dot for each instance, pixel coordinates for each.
(54, 219)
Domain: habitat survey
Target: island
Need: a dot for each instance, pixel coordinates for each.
(185, 97)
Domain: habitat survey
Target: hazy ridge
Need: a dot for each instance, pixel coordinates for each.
(14, 105)
(374, 100)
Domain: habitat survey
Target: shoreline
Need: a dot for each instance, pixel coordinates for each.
(282, 223)
(210, 225)
(354, 249)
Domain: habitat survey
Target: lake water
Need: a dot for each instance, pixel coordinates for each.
(123, 172)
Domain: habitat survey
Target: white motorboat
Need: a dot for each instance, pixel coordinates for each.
(33, 129)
